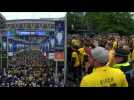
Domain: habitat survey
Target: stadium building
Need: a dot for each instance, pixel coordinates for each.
(32, 28)
(47, 24)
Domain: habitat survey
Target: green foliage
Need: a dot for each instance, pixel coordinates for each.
(102, 22)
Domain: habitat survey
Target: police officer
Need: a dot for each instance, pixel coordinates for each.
(102, 75)
(121, 60)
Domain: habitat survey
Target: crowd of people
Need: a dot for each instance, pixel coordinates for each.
(30, 69)
(92, 61)
(85, 54)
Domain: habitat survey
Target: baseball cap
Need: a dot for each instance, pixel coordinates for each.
(100, 54)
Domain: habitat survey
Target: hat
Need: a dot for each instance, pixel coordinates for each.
(100, 54)
(121, 52)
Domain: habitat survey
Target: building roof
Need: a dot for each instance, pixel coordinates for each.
(41, 20)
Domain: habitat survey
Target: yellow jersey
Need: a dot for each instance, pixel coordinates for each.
(81, 55)
(105, 77)
(115, 44)
(77, 62)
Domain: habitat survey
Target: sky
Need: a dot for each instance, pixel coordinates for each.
(32, 15)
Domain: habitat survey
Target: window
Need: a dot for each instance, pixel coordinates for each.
(12, 26)
(41, 25)
(44, 25)
(23, 25)
(33, 25)
(52, 26)
(37, 25)
(28, 25)
(47, 26)
(15, 25)
(20, 26)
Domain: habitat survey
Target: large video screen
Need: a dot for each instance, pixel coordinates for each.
(40, 33)
(10, 34)
(26, 32)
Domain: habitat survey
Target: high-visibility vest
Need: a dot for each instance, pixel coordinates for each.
(120, 65)
(124, 66)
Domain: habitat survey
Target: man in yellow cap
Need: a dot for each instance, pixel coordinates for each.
(103, 76)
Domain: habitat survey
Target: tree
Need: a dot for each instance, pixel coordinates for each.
(104, 22)
(74, 21)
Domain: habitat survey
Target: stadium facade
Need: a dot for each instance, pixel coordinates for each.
(47, 24)
(32, 27)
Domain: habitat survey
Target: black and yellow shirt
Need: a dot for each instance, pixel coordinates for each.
(83, 56)
(76, 57)
(105, 77)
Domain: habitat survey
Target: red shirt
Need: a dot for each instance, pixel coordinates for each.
(90, 57)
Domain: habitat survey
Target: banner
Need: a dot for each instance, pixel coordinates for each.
(10, 46)
(45, 46)
(51, 42)
(59, 35)
(4, 45)
(59, 56)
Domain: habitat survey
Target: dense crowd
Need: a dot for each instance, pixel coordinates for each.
(80, 57)
(30, 69)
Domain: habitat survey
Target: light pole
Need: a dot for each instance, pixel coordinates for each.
(65, 51)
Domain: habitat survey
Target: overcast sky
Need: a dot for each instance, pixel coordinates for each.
(32, 15)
